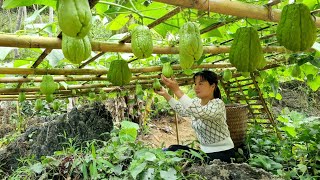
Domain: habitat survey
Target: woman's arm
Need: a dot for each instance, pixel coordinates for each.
(214, 108)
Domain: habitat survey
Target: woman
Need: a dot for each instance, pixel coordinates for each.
(207, 112)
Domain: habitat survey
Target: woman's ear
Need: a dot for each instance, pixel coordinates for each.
(214, 86)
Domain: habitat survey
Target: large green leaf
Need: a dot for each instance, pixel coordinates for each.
(9, 4)
(290, 130)
(34, 16)
(4, 51)
(169, 175)
(118, 23)
(314, 83)
(137, 170)
(309, 69)
(55, 56)
(101, 8)
(310, 3)
(37, 168)
(128, 124)
(128, 135)
(22, 62)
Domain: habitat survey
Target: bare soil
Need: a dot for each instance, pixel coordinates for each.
(162, 133)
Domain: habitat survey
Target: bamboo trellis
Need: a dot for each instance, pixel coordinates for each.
(238, 9)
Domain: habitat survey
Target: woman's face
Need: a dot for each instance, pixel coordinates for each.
(203, 89)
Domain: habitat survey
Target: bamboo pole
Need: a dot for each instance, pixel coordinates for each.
(68, 93)
(4, 91)
(28, 71)
(136, 77)
(26, 41)
(234, 8)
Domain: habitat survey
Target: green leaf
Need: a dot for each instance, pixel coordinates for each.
(55, 56)
(315, 61)
(201, 60)
(252, 92)
(4, 51)
(316, 46)
(20, 63)
(310, 3)
(128, 124)
(37, 168)
(290, 130)
(9, 4)
(278, 96)
(213, 33)
(314, 83)
(93, 151)
(128, 135)
(169, 175)
(118, 23)
(309, 69)
(283, 119)
(34, 16)
(302, 167)
(188, 72)
(115, 38)
(196, 154)
(93, 170)
(150, 157)
(137, 170)
(64, 84)
(101, 8)
(148, 175)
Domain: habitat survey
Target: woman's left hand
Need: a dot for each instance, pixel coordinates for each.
(164, 93)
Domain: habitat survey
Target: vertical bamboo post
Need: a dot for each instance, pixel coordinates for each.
(176, 121)
(177, 129)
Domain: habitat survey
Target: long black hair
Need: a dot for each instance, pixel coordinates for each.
(212, 78)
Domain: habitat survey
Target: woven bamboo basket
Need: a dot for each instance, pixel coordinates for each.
(237, 116)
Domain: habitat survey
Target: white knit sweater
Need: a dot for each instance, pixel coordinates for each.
(208, 121)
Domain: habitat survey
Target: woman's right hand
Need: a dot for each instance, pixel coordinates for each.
(172, 84)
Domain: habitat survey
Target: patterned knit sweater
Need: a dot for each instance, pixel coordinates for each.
(208, 121)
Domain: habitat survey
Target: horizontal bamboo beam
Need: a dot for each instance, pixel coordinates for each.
(55, 43)
(68, 93)
(11, 91)
(234, 8)
(23, 71)
(77, 78)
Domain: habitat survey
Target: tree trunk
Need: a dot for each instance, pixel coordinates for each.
(18, 26)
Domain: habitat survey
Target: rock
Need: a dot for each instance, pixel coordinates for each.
(218, 170)
(83, 124)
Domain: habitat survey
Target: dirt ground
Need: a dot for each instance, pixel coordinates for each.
(162, 133)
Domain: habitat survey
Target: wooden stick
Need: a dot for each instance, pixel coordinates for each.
(85, 86)
(234, 8)
(136, 77)
(68, 93)
(177, 129)
(26, 41)
(98, 71)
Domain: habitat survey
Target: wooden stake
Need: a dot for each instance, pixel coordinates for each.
(177, 129)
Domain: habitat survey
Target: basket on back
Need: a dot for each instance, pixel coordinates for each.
(237, 115)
